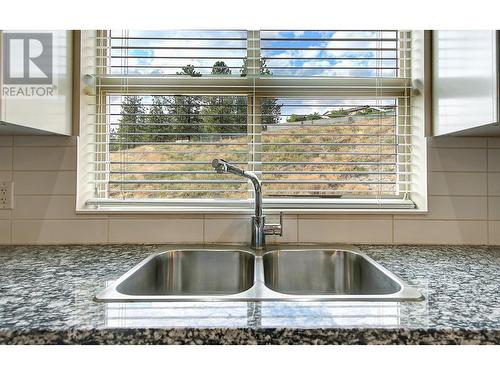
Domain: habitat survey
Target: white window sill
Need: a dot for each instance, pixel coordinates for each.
(312, 206)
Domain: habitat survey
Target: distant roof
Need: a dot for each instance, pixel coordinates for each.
(358, 109)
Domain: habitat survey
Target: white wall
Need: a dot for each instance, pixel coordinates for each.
(464, 204)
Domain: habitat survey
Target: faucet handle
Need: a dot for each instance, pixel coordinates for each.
(275, 229)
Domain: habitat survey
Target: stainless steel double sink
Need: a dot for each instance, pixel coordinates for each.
(239, 274)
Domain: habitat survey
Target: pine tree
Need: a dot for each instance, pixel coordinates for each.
(271, 112)
(188, 70)
(270, 107)
(240, 110)
(264, 70)
(220, 68)
(157, 120)
(183, 111)
(224, 114)
(184, 114)
(131, 122)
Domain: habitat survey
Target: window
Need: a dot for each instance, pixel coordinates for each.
(323, 117)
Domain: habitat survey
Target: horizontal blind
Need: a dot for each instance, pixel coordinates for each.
(162, 146)
(341, 147)
(315, 113)
(346, 53)
(164, 53)
(344, 145)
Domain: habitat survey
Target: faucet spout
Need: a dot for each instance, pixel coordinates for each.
(259, 227)
(222, 166)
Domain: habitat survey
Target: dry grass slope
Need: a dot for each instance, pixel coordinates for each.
(160, 172)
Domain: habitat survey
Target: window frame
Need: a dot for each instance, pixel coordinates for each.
(254, 87)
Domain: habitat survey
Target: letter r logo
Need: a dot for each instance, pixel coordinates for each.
(27, 58)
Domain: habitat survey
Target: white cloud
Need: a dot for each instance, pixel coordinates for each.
(187, 51)
(302, 58)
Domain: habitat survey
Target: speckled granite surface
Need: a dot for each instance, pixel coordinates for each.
(46, 297)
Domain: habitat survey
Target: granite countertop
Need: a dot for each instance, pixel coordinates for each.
(46, 297)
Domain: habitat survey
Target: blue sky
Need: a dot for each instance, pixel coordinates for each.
(297, 57)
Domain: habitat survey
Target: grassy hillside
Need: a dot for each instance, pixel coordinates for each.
(285, 143)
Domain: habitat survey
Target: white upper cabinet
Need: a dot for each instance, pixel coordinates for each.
(465, 82)
(36, 82)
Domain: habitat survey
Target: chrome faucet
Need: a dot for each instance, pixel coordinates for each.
(259, 227)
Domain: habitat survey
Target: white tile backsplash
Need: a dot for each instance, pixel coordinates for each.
(45, 207)
(5, 158)
(453, 208)
(494, 160)
(494, 208)
(457, 160)
(494, 232)
(44, 141)
(237, 229)
(59, 231)
(232, 229)
(355, 231)
(44, 158)
(440, 232)
(457, 142)
(5, 141)
(494, 142)
(45, 183)
(464, 204)
(5, 175)
(5, 232)
(290, 230)
(494, 183)
(457, 183)
(156, 231)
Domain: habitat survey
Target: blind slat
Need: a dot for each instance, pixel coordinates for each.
(314, 113)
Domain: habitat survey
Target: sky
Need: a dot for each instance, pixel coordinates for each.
(293, 53)
(288, 53)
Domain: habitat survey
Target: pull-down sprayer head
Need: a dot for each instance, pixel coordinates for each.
(259, 227)
(222, 166)
(219, 165)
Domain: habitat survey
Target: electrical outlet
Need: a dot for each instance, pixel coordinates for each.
(6, 195)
